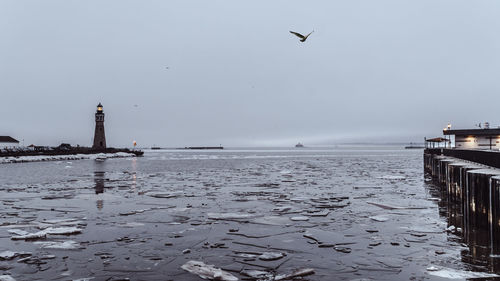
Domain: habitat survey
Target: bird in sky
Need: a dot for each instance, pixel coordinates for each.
(302, 37)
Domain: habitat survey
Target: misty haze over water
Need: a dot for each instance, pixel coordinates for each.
(182, 73)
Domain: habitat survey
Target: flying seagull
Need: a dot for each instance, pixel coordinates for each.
(302, 37)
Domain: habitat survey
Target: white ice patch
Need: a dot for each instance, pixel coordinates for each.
(228, 216)
(299, 218)
(6, 278)
(457, 274)
(297, 273)
(379, 218)
(66, 245)
(18, 232)
(131, 224)
(23, 235)
(271, 256)
(391, 177)
(8, 255)
(206, 271)
(28, 236)
(63, 230)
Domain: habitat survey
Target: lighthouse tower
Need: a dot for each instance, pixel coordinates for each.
(99, 136)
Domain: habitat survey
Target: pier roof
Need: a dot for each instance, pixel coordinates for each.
(8, 139)
(438, 139)
(474, 132)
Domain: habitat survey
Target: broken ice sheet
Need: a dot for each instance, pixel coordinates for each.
(258, 274)
(229, 216)
(299, 218)
(379, 218)
(327, 237)
(132, 212)
(165, 194)
(271, 256)
(66, 245)
(19, 232)
(206, 271)
(6, 278)
(317, 213)
(63, 222)
(23, 235)
(62, 230)
(8, 255)
(282, 209)
(296, 273)
(272, 220)
(391, 177)
(457, 274)
(30, 236)
(131, 224)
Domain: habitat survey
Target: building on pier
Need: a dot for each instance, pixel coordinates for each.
(8, 142)
(475, 138)
(438, 142)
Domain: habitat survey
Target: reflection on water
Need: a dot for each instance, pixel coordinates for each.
(99, 182)
(100, 179)
(134, 174)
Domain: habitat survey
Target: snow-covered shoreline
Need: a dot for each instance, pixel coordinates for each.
(40, 158)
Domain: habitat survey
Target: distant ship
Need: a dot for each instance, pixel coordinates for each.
(155, 147)
(413, 146)
(203, 147)
(299, 145)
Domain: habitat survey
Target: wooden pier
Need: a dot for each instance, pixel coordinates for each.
(469, 186)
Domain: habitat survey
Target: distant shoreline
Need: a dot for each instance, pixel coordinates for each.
(65, 152)
(46, 158)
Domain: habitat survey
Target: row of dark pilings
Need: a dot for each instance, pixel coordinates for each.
(471, 192)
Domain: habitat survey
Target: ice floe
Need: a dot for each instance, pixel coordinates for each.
(66, 245)
(24, 235)
(8, 255)
(206, 271)
(457, 274)
(229, 216)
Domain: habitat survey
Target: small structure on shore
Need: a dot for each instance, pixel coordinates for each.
(99, 135)
(8, 142)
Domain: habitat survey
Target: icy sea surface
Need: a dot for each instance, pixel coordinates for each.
(342, 213)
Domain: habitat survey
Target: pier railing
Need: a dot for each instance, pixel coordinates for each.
(485, 157)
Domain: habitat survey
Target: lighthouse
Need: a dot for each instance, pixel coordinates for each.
(99, 136)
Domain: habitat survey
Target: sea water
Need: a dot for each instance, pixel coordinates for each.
(346, 212)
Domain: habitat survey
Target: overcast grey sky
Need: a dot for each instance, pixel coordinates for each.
(371, 70)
